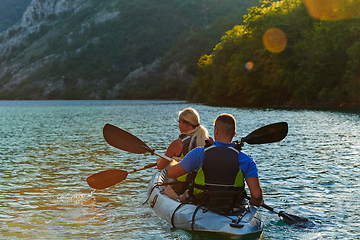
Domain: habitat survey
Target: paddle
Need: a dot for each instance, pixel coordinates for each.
(108, 178)
(289, 218)
(267, 134)
(123, 140)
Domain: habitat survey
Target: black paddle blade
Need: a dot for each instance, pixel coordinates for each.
(291, 219)
(297, 221)
(268, 134)
(107, 178)
(123, 140)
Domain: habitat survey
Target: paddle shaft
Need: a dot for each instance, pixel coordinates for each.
(270, 208)
(153, 152)
(151, 165)
(266, 206)
(108, 178)
(288, 218)
(145, 167)
(124, 140)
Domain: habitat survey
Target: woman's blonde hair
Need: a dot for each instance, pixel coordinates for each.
(200, 133)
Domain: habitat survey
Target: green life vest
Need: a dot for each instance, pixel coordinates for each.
(220, 171)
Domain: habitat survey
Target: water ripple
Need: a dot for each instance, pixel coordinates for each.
(49, 148)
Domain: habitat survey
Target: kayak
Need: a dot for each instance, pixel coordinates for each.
(244, 220)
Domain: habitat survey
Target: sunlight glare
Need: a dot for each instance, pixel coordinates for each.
(275, 40)
(249, 65)
(83, 207)
(332, 9)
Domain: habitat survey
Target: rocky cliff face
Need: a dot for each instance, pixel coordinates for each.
(36, 14)
(19, 56)
(17, 53)
(15, 69)
(106, 49)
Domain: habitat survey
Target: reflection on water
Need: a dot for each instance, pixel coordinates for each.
(49, 148)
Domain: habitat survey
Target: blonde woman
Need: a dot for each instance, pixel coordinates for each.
(192, 135)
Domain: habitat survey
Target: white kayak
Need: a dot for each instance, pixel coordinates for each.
(184, 215)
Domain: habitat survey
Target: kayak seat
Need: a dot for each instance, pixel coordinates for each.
(181, 186)
(219, 201)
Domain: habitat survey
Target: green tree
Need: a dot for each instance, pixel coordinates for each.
(318, 66)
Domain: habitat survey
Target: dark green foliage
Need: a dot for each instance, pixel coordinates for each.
(320, 64)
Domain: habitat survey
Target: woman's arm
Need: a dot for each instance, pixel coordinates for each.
(174, 149)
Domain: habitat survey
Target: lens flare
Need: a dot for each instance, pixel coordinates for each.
(332, 9)
(249, 65)
(275, 40)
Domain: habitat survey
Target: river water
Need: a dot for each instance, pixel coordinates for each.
(49, 148)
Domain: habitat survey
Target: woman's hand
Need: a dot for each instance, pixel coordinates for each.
(176, 159)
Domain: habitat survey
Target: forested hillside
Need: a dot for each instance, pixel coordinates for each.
(286, 54)
(11, 12)
(230, 52)
(111, 49)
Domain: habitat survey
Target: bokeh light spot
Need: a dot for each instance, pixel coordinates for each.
(249, 65)
(332, 9)
(275, 40)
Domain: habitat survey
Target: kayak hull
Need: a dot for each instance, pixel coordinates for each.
(246, 220)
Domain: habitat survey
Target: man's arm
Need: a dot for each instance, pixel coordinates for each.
(253, 184)
(191, 162)
(175, 170)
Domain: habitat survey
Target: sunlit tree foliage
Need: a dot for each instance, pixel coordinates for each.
(319, 66)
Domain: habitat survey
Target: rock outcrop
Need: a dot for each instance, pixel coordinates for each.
(16, 68)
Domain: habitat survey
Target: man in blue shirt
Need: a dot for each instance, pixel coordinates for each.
(220, 159)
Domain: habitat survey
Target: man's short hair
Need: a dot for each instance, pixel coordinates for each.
(226, 123)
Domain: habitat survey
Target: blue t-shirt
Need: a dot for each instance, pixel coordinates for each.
(193, 160)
